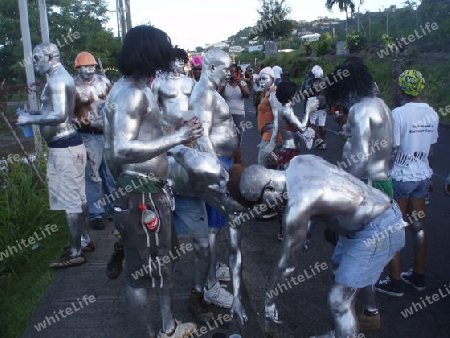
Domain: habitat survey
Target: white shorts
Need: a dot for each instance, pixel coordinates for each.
(320, 116)
(65, 177)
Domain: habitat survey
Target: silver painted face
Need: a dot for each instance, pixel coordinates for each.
(41, 62)
(178, 66)
(87, 72)
(265, 81)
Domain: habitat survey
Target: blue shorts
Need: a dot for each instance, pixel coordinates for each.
(190, 217)
(363, 255)
(413, 189)
(215, 218)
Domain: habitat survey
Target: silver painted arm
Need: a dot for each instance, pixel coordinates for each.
(57, 87)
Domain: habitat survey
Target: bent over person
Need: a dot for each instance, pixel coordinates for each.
(66, 154)
(136, 148)
(315, 188)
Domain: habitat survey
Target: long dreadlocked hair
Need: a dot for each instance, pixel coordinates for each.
(181, 54)
(347, 90)
(145, 50)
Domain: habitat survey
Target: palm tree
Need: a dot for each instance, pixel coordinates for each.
(343, 5)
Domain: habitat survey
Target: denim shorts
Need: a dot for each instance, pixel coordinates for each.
(413, 189)
(190, 217)
(363, 254)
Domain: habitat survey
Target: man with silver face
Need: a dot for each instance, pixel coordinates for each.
(172, 90)
(136, 146)
(367, 151)
(314, 188)
(220, 140)
(91, 91)
(67, 154)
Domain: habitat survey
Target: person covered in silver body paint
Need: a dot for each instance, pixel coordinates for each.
(172, 90)
(220, 140)
(367, 150)
(91, 91)
(136, 146)
(67, 154)
(313, 188)
(292, 130)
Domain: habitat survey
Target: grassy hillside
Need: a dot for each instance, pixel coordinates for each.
(433, 66)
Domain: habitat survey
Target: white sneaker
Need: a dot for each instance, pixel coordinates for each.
(222, 272)
(181, 330)
(217, 295)
(317, 142)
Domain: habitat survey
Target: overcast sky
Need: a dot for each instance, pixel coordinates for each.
(192, 23)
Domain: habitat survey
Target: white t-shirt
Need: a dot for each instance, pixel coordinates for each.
(277, 71)
(234, 98)
(415, 130)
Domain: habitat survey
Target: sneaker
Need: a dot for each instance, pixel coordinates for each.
(389, 286)
(67, 260)
(97, 224)
(322, 146)
(182, 330)
(317, 143)
(89, 247)
(218, 296)
(367, 320)
(198, 307)
(114, 266)
(223, 272)
(414, 279)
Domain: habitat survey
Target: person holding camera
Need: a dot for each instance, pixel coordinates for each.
(234, 91)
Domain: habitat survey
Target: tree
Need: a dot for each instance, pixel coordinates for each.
(75, 26)
(343, 5)
(272, 23)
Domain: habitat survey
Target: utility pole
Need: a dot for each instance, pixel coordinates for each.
(45, 35)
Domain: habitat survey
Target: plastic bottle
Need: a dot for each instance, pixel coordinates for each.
(27, 130)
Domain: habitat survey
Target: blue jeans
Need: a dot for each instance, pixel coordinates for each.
(94, 151)
(362, 255)
(410, 189)
(108, 184)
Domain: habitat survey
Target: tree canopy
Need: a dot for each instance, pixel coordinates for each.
(272, 23)
(75, 26)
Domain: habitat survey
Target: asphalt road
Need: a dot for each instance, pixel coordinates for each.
(303, 308)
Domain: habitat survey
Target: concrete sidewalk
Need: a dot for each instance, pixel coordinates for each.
(105, 313)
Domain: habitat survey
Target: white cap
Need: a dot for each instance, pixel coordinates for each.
(267, 70)
(317, 71)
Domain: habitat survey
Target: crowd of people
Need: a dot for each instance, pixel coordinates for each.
(174, 145)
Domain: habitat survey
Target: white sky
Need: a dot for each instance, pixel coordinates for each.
(192, 23)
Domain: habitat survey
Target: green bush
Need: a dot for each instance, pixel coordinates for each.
(355, 42)
(24, 272)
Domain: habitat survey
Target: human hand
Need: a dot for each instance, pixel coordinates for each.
(271, 313)
(341, 119)
(191, 130)
(312, 104)
(239, 310)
